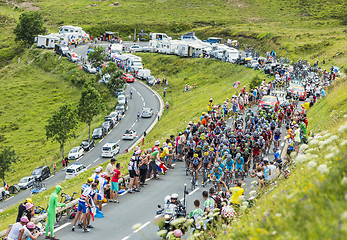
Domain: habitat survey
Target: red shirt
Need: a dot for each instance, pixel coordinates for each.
(115, 175)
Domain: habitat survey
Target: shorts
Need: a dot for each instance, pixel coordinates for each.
(239, 167)
(100, 197)
(114, 186)
(277, 138)
(229, 168)
(206, 165)
(133, 174)
(179, 148)
(82, 207)
(218, 177)
(195, 167)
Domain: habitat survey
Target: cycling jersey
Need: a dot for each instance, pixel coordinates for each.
(229, 164)
(196, 214)
(209, 203)
(195, 161)
(205, 159)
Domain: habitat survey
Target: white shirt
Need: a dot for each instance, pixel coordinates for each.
(14, 233)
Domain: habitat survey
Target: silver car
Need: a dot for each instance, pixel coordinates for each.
(26, 182)
(129, 135)
(147, 112)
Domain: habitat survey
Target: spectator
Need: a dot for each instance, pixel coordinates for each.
(15, 232)
(114, 183)
(236, 193)
(134, 172)
(22, 208)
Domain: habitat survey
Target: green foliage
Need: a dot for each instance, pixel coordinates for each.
(115, 82)
(89, 105)
(7, 158)
(97, 57)
(30, 25)
(255, 82)
(60, 127)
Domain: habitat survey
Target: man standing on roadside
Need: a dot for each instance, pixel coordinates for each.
(114, 183)
(109, 172)
(134, 172)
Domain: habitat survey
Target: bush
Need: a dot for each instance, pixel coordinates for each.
(255, 82)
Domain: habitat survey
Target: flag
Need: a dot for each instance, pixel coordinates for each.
(236, 84)
(5, 185)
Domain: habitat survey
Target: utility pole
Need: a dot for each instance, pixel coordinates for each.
(135, 35)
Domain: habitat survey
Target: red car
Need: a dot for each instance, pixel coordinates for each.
(128, 77)
(268, 101)
(299, 91)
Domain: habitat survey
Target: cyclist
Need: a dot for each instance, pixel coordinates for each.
(131, 93)
(212, 155)
(195, 165)
(277, 137)
(205, 165)
(238, 164)
(229, 167)
(217, 175)
(138, 116)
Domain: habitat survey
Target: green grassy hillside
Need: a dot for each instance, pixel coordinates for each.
(212, 79)
(31, 91)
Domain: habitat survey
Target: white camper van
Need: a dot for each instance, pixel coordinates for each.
(47, 41)
(73, 32)
(116, 49)
(159, 36)
(134, 63)
(143, 73)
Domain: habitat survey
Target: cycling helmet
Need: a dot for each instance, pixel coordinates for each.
(261, 137)
(198, 146)
(206, 153)
(225, 147)
(219, 159)
(90, 179)
(229, 156)
(238, 155)
(211, 149)
(29, 200)
(174, 195)
(216, 165)
(195, 155)
(205, 144)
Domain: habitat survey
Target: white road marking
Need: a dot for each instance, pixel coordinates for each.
(91, 149)
(282, 144)
(139, 94)
(157, 216)
(50, 177)
(133, 125)
(96, 159)
(148, 179)
(181, 199)
(8, 199)
(144, 104)
(143, 226)
(125, 238)
(62, 226)
(173, 164)
(118, 141)
(110, 131)
(89, 165)
(101, 140)
(142, 99)
(196, 189)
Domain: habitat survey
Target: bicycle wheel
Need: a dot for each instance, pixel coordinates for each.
(58, 217)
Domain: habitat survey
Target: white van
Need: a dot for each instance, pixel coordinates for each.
(47, 41)
(74, 170)
(134, 63)
(143, 73)
(110, 149)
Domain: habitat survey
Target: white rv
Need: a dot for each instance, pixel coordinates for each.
(163, 47)
(159, 36)
(231, 55)
(73, 32)
(116, 49)
(134, 63)
(47, 41)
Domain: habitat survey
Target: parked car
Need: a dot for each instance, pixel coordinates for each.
(110, 121)
(268, 101)
(105, 78)
(98, 133)
(72, 57)
(121, 100)
(89, 69)
(120, 109)
(151, 80)
(75, 153)
(87, 144)
(128, 78)
(147, 112)
(110, 149)
(26, 182)
(74, 170)
(41, 173)
(129, 134)
(61, 50)
(106, 125)
(136, 48)
(114, 115)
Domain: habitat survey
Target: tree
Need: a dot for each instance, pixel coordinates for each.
(7, 157)
(97, 57)
(115, 82)
(89, 105)
(61, 125)
(30, 25)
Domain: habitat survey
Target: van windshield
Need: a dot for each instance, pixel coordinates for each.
(69, 170)
(106, 149)
(137, 63)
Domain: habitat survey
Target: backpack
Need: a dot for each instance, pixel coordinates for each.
(218, 201)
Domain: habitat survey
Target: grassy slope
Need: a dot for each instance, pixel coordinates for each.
(307, 205)
(213, 78)
(32, 92)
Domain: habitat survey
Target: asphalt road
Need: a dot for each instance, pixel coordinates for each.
(141, 207)
(142, 96)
